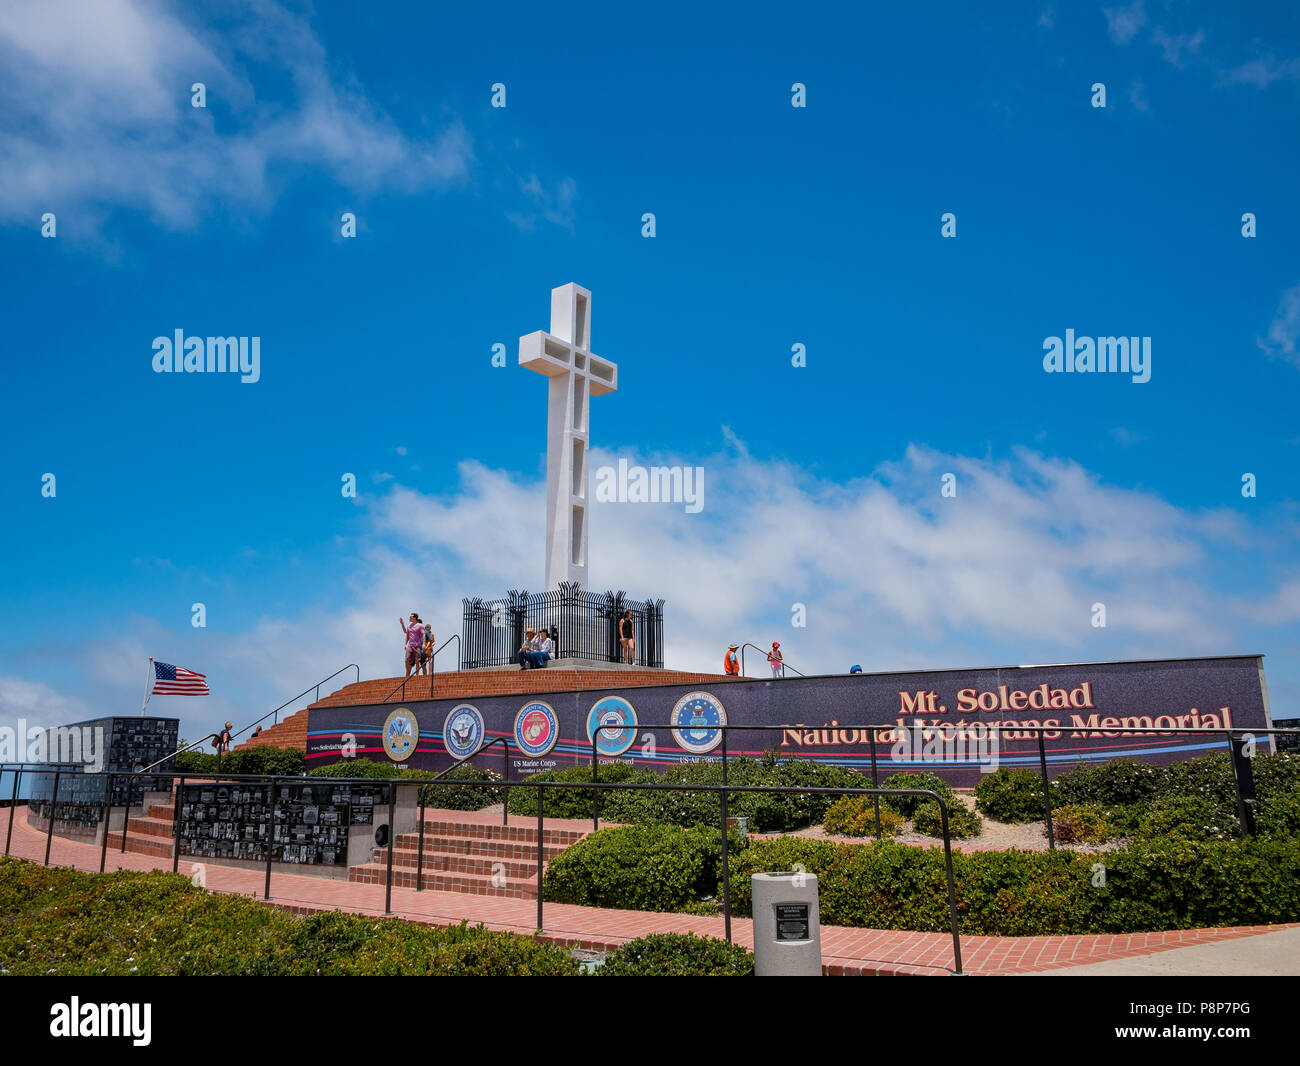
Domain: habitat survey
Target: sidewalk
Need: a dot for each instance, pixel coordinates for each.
(845, 951)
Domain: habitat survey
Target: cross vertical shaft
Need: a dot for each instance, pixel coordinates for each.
(564, 356)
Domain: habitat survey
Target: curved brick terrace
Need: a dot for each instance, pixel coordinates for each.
(850, 952)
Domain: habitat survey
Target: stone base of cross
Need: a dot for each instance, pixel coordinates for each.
(564, 355)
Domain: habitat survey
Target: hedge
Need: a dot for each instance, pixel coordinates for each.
(640, 867)
(677, 955)
(259, 759)
(68, 923)
(444, 797)
(1148, 886)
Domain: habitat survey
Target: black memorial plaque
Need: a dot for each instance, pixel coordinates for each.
(792, 921)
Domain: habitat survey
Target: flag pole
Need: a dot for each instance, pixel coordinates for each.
(148, 678)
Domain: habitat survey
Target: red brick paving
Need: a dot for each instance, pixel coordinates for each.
(845, 951)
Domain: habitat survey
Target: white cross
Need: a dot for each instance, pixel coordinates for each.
(564, 356)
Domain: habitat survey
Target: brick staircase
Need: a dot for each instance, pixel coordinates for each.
(463, 852)
(149, 833)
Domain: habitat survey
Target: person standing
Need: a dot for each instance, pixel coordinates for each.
(627, 637)
(223, 741)
(775, 661)
(414, 639)
(731, 663)
(426, 650)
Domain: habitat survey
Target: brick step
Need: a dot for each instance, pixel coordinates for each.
(491, 831)
(469, 864)
(153, 827)
(372, 873)
(141, 844)
(496, 849)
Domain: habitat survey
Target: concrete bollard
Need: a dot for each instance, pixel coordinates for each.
(787, 925)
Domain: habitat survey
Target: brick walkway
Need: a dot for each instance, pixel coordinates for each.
(850, 952)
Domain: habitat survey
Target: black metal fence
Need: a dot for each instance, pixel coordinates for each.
(584, 625)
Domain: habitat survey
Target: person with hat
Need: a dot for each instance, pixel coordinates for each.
(775, 661)
(527, 648)
(731, 662)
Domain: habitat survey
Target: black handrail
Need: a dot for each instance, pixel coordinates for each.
(784, 665)
(459, 651)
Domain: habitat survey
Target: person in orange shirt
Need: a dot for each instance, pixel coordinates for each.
(731, 661)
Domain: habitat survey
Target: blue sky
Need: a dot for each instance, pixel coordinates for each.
(775, 225)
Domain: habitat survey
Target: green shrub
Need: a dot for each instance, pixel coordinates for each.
(767, 813)
(444, 797)
(259, 759)
(907, 805)
(639, 867)
(1279, 815)
(1080, 823)
(575, 802)
(1115, 782)
(678, 955)
(962, 821)
(1208, 777)
(1010, 794)
(855, 816)
(1195, 817)
(1276, 775)
(68, 923)
(463, 797)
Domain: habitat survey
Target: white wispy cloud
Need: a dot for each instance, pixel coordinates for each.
(891, 573)
(95, 114)
(1284, 330)
(1124, 23)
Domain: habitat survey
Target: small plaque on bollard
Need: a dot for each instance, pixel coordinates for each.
(791, 921)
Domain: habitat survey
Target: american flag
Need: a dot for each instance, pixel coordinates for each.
(177, 681)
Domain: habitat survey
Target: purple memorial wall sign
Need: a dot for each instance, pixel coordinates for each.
(945, 715)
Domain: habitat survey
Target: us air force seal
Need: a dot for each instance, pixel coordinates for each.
(536, 728)
(401, 734)
(463, 731)
(613, 722)
(695, 718)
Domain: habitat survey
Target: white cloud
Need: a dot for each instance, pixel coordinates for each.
(555, 205)
(1261, 72)
(1123, 23)
(95, 96)
(893, 575)
(1177, 47)
(38, 704)
(1284, 330)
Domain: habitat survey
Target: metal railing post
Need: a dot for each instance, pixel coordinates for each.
(875, 781)
(49, 833)
(126, 814)
(540, 829)
(392, 833)
(177, 791)
(105, 812)
(419, 854)
(595, 778)
(270, 842)
(505, 759)
(726, 866)
(13, 803)
(952, 890)
(1047, 792)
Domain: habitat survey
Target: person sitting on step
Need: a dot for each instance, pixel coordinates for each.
(527, 648)
(545, 650)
